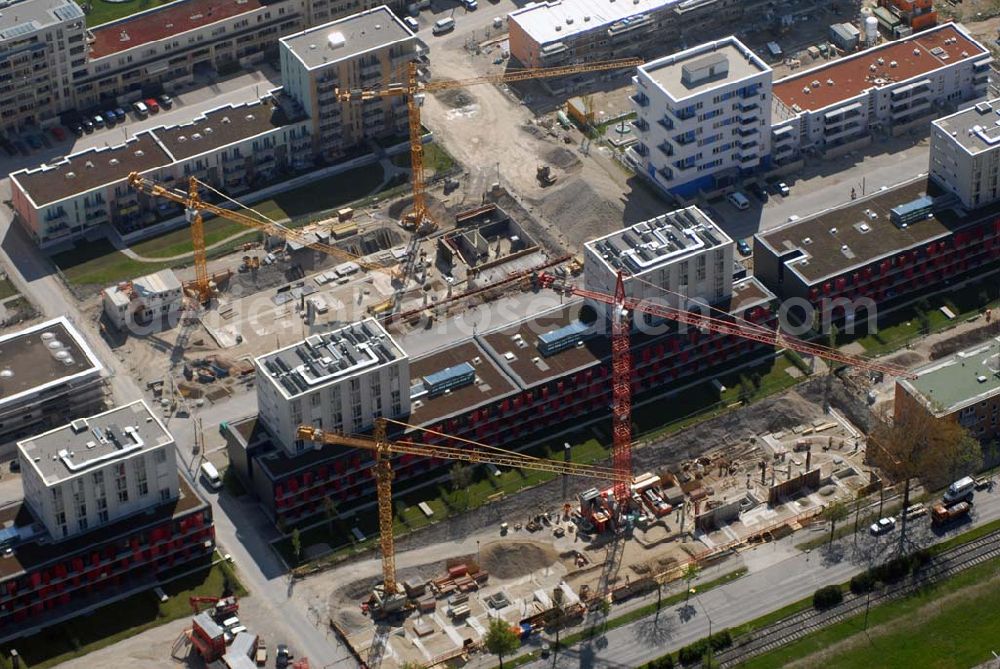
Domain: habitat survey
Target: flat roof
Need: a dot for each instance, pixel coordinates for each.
(975, 129)
(915, 56)
(34, 554)
(95, 441)
(731, 57)
(563, 19)
(220, 127)
(660, 241)
(164, 22)
(824, 251)
(490, 383)
(43, 356)
(32, 15)
(347, 37)
(91, 169)
(329, 357)
(156, 283)
(960, 380)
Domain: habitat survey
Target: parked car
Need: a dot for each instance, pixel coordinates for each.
(140, 109)
(76, 129)
(883, 525)
(411, 23)
(153, 105)
(120, 113)
(738, 200)
(758, 192)
(88, 125)
(166, 101)
(34, 141)
(782, 189)
(22, 148)
(98, 121)
(283, 656)
(110, 118)
(58, 133)
(470, 5)
(743, 247)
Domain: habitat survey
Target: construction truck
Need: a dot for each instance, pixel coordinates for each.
(207, 637)
(222, 607)
(944, 515)
(545, 175)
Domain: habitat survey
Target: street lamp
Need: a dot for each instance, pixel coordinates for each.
(705, 609)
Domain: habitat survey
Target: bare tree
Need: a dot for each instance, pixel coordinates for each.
(835, 512)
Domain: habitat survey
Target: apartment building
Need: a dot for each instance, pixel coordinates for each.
(233, 148)
(682, 252)
(703, 117)
(965, 154)
(964, 387)
(104, 514)
(546, 34)
(891, 88)
(365, 50)
(339, 380)
(48, 375)
(154, 297)
(98, 470)
(41, 43)
(889, 246)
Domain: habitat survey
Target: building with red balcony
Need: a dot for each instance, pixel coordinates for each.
(506, 386)
(121, 517)
(890, 247)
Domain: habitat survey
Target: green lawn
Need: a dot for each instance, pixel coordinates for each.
(117, 621)
(7, 289)
(925, 632)
(322, 195)
(98, 264)
(436, 159)
(103, 12)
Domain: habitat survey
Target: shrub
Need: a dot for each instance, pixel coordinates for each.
(862, 583)
(722, 640)
(827, 597)
(895, 569)
(695, 652)
(665, 662)
(796, 359)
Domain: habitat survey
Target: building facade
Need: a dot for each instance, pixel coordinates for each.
(893, 245)
(964, 388)
(703, 117)
(104, 515)
(48, 375)
(233, 148)
(965, 154)
(98, 470)
(339, 380)
(364, 50)
(41, 43)
(157, 296)
(681, 253)
(889, 88)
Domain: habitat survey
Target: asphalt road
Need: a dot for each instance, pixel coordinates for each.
(756, 594)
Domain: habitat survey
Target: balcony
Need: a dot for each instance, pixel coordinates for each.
(747, 131)
(641, 149)
(684, 139)
(666, 123)
(641, 124)
(640, 99)
(665, 149)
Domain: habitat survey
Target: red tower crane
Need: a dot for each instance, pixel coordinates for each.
(621, 359)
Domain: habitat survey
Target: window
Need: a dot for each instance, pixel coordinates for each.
(82, 524)
(102, 516)
(165, 495)
(161, 456)
(315, 399)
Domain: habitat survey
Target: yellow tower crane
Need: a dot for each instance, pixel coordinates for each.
(414, 89)
(389, 599)
(200, 287)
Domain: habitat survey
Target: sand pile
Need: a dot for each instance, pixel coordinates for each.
(510, 559)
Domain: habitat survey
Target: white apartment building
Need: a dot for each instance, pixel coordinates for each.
(703, 117)
(365, 50)
(41, 43)
(889, 88)
(965, 154)
(339, 380)
(98, 470)
(683, 252)
(156, 296)
(233, 148)
(48, 376)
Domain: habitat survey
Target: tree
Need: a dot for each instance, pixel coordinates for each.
(501, 639)
(914, 444)
(835, 512)
(461, 476)
(330, 509)
(297, 545)
(690, 573)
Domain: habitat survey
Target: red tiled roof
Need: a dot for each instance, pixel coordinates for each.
(853, 74)
(172, 19)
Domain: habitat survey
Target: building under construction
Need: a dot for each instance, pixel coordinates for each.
(507, 383)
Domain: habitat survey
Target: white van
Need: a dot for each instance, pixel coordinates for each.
(960, 491)
(738, 200)
(442, 26)
(211, 475)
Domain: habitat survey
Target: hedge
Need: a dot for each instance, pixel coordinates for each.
(827, 597)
